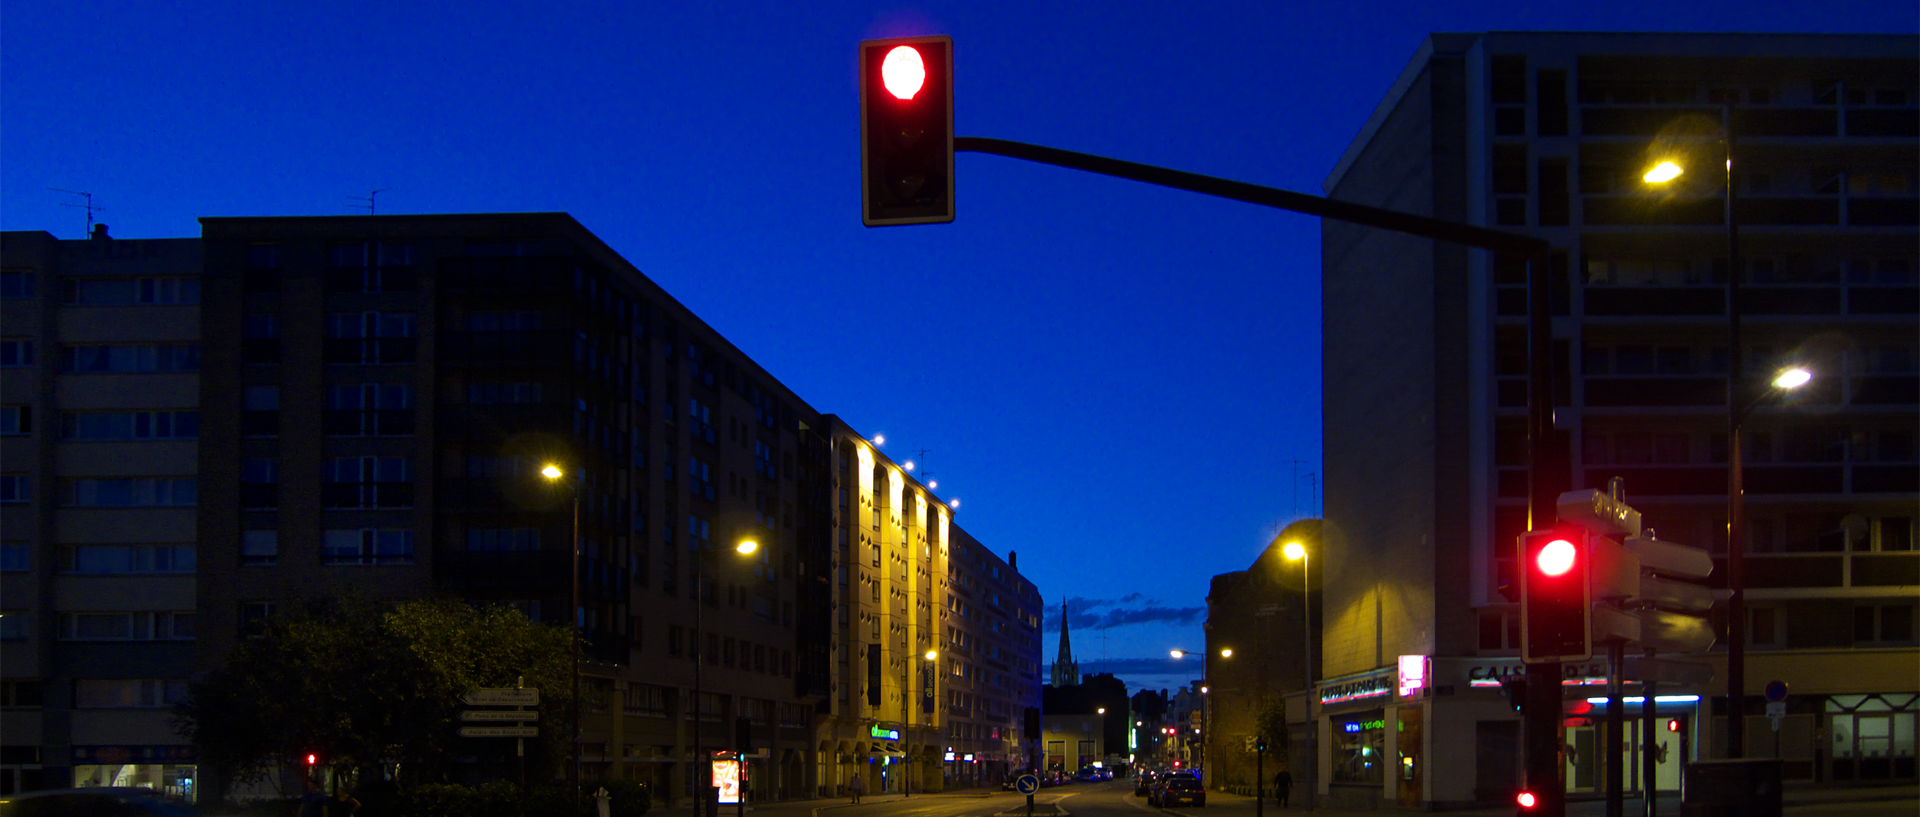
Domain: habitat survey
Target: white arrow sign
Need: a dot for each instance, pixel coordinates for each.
(499, 731)
(498, 715)
(504, 697)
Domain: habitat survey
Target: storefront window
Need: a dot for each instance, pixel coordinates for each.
(1359, 748)
(170, 779)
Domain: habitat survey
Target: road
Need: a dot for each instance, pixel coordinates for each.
(1115, 799)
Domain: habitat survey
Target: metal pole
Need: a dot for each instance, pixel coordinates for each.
(1260, 783)
(573, 778)
(1616, 730)
(701, 786)
(1540, 713)
(1312, 766)
(1649, 741)
(1736, 497)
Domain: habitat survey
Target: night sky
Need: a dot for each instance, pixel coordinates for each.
(1120, 382)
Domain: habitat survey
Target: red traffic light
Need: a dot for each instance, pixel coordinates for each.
(1556, 557)
(313, 759)
(1526, 799)
(903, 71)
(1673, 724)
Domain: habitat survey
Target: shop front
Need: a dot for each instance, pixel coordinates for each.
(1357, 723)
(170, 770)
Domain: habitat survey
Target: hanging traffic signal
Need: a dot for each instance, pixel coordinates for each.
(906, 131)
(1555, 595)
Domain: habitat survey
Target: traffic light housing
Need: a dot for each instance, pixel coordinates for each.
(1556, 595)
(906, 131)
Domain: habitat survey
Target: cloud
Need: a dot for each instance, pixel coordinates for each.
(1141, 673)
(1104, 614)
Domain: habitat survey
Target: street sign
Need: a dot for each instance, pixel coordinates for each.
(499, 731)
(504, 697)
(1668, 671)
(1598, 510)
(498, 715)
(1026, 784)
(1776, 691)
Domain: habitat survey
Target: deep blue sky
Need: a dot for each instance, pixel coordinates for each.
(1119, 381)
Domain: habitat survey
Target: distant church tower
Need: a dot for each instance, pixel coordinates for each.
(1066, 673)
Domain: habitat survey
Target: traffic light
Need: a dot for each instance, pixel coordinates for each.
(1527, 800)
(906, 131)
(1260, 744)
(312, 760)
(1556, 610)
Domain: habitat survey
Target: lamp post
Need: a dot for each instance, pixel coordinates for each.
(553, 473)
(1295, 551)
(1206, 701)
(906, 717)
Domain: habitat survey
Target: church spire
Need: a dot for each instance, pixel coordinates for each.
(1066, 672)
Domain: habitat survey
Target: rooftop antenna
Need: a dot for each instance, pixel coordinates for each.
(371, 199)
(89, 206)
(924, 473)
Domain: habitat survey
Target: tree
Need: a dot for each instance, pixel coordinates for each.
(362, 688)
(1272, 725)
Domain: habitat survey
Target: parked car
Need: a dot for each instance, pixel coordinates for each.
(1143, 783)
(101, 801)
(1176, 789)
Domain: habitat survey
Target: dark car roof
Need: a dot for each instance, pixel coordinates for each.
(1182, 782)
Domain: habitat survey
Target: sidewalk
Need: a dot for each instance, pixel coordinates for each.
(841, 806)
(1894, 801)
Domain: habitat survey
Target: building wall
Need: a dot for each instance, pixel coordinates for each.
(1260, 614)
(1551, 131)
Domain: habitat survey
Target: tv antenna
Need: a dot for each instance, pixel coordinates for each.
(371, 199)
(925, 474)
(89, 206)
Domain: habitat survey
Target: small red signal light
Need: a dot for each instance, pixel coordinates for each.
(1526, 799)
(313, 759)
(1556, 557)
(1673, 725)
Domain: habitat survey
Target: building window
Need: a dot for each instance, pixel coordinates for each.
(133, 559)
(141, 358)
(15, 353)
(503, 393)
(15, 488)
(700, 474)
(22, 694)
(367, 546)
(15, 625)
(374, 266)
(369, 409)
(259, 483)
(132, 291)
(368, 482)
(505, 321)
(128, 693)
(123, 626)
(370, 338)
(1883, 624)
(1359, 747)
(130, 425)
(133, 492)
(260, 411)
(700, 420)
(16, 557)
(16, 420)
(260, 338)
(17, 285)
(259, 547)
(254, 616)
(1895, 533)
(1764, 626)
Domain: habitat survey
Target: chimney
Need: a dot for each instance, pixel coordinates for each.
(100, 233)
(1013, 560)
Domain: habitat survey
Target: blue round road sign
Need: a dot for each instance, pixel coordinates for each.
(1776, 690)
(1027, 784)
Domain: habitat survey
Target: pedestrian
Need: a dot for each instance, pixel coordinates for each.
(1282, 786)
(313, 803)
(342, 804)
(857, 786)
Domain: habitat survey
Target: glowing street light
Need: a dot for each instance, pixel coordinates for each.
(1662, 173)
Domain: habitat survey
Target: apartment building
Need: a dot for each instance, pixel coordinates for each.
(936, 640)
(199, 433)
(1260, 651)
(1548, 134)
(100, 376)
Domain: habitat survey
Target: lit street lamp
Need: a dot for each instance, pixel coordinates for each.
(553, 473)
(1297, 552)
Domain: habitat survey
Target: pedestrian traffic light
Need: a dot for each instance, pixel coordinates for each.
(906, 131)
(1527, 800)
(312, 760)
(1555, 595)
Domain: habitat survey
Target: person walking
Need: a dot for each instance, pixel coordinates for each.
(857, 786)
(1282, 786)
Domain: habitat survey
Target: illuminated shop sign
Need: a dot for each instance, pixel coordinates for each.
(883, 733)
(1363, 726)
(1489, 676)
(1372, 686)
(1413, 675)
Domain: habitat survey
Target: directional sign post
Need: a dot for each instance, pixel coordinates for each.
(504, 697)
(499, 731)
(513, 716)
(1027, 784)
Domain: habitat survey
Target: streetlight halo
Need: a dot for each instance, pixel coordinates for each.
(1294, 551)
(1792, 377)
(1663, 172)
(552, 471)
(747, 546)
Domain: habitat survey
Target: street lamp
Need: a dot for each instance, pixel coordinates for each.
(703, 790)
(553, 474)
(906, 718)
(1297, 552)
(1206, 700)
